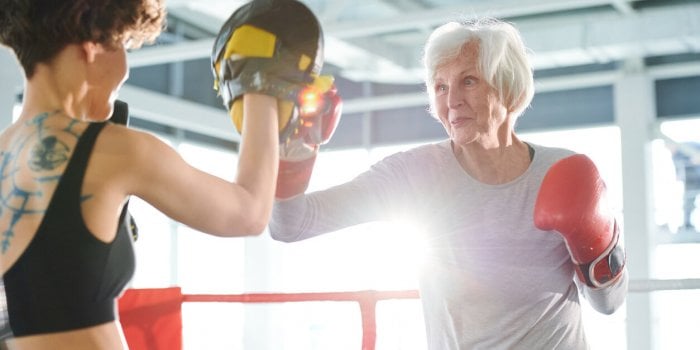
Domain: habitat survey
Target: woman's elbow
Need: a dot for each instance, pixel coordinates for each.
(256, 228)
(610, 299)
(280, 234)
(281, 237)
(606, 308)
(253, 223)
(287, 221)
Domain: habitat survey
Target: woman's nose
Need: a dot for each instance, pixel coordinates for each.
(455, 99)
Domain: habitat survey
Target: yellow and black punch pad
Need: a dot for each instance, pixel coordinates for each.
(281, 29)
(279, 39)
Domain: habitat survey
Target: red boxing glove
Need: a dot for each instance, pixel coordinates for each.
(319, 116)
(295, 168)
(572, 201)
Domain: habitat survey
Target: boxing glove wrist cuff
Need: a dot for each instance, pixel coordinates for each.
(293, 178)
(606, 268)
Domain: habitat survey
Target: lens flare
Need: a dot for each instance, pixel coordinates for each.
(310, 102)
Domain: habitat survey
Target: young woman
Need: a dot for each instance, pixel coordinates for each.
(66, 172)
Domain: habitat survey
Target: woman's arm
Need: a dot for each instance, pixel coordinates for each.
(376, 194)
(203, 201)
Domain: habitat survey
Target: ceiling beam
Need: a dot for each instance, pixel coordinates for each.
(181, 51)
(178, 113)
(623, 6)
(437, 16)
(579, 40)
(168, 110)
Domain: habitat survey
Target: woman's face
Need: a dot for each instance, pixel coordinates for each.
(467, 106)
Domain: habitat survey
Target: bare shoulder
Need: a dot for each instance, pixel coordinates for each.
(135, 154)
(138, 145)
(129, 137)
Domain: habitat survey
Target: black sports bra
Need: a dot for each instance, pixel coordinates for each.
(66, 278)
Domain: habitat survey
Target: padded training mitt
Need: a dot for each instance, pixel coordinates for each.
(120, 113)
(273, 47)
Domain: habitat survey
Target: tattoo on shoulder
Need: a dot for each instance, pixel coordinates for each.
(48, 154)
(45, 150)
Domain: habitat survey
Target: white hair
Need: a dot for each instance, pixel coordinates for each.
(503, 59)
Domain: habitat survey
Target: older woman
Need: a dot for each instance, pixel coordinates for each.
(499, 271)
(66, 251)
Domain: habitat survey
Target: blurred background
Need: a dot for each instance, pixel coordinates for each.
(618, 80)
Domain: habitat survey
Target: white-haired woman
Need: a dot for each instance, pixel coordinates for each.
(492, 278)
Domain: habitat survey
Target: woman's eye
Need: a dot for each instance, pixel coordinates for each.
(440, 88)
(469, 81)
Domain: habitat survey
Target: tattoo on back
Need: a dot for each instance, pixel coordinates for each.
(48, 154)
(44, 152)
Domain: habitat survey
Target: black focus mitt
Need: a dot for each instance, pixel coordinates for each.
(272, 47)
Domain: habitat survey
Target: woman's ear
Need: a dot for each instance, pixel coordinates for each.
(91, 49)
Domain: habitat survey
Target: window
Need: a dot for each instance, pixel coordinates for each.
(677, 246)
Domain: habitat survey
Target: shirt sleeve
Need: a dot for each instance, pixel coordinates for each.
(607, 300)
(368, 197)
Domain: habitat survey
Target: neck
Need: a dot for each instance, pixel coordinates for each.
(494, 164)
(56, 86)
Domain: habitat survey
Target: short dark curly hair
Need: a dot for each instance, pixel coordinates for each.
(36, 30)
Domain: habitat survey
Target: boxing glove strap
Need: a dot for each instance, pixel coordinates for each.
(293, 177)
(260, 83)
(604, 270)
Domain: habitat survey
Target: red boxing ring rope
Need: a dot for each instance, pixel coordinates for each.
(366, 299)
(152, 320)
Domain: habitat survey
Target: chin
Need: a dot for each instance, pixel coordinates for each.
(459, 138)
(101, 114)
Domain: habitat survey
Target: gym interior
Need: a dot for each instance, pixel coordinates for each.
(617, 80)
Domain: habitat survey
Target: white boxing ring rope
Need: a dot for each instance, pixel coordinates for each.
(651, 285)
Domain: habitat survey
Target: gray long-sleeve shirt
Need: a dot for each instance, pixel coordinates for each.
(491, 279)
